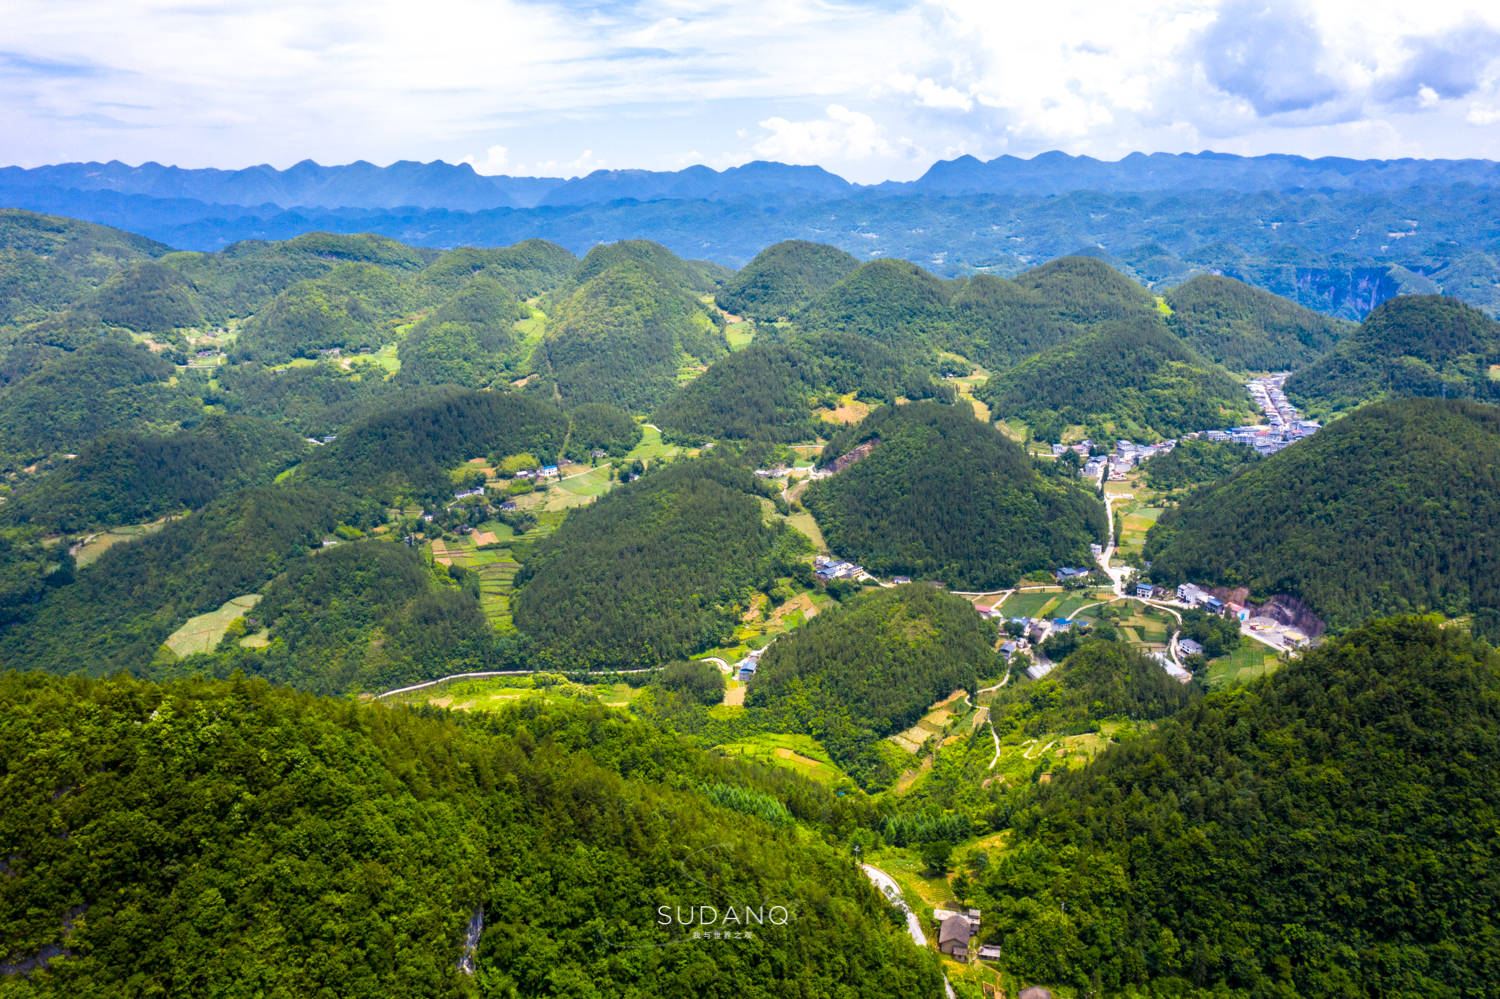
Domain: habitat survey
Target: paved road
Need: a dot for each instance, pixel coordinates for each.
(892, 891)
(475, 676)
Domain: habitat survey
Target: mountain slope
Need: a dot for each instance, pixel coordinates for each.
(1394, 508)
(213, 837)
(998, 515)
(127, 477)
(653, 571)
(893, 302)
(784, 278)
(872, 668)
(1129, 378)
(1328, 831)
(1246, 329)
(622, 335)
(1412, 345)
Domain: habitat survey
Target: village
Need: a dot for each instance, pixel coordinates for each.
(1284, 426)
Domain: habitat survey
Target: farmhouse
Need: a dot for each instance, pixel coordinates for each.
(1188, 647)
(953, 937)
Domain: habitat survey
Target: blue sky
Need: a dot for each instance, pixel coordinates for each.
(869, 90)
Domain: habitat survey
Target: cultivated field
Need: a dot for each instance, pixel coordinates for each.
(204, 632)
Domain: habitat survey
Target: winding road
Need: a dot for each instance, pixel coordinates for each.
(892, 891)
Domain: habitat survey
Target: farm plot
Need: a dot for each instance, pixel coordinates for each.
(1032, 603)
(204, 632)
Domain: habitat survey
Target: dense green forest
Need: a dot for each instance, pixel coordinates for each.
(1412, 345)
(353, 307)
(408, 450)
(598, 426)
(1394, 508)
(314, 401)
(110, 384)
(358, 616)
(116, 614)
(1131, 379)
(147, 296)
(129, 477)
(530, 268)
(852, 676)
(470, 340)
(767, 391)
(1247, 329)
(621, 337)
(783, 279)
(653, 571)
(48, 263)
(1195, 461)
(1098, 680)
(1000, 515)
(892, 302)
(204, 838)
(1328, 831)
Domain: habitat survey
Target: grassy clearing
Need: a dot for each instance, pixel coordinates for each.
(652, 449)
(762, 623)
(804, 522)
(591, 484)
(87, 552)
(935, 722)
(1032, 603)
(385, 359)
(923, 892)
(801, 753)
(496, 693)
(739, 335)
(1250, 661)
(849, 410)
(204, 632)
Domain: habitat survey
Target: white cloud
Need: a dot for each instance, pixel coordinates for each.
(494, 161)
(652, 82)
(842, 135)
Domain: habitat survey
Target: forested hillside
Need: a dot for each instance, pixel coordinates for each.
(1196, 461)
(1394, 508)
(359, 616)
(1413, 345)
(128, 477)
(48, 262)
(622, 335)
(784, 278)
(110, 384)
(893, 302)
(1131, 379)
(209, 837)
(767, 391)
(470, 340)
(872, 668)
(408, 450)
(355, 306)
(653, 571)
(136, 595)
(1098, 680)
(999, 515)
(1328, 831)
(1247, 329)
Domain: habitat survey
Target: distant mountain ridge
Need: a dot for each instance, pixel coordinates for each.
(459, 187)
(1335, 235)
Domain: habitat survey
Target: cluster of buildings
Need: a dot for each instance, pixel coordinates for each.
(538, 474)
(1283, 426)
(826, 569)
